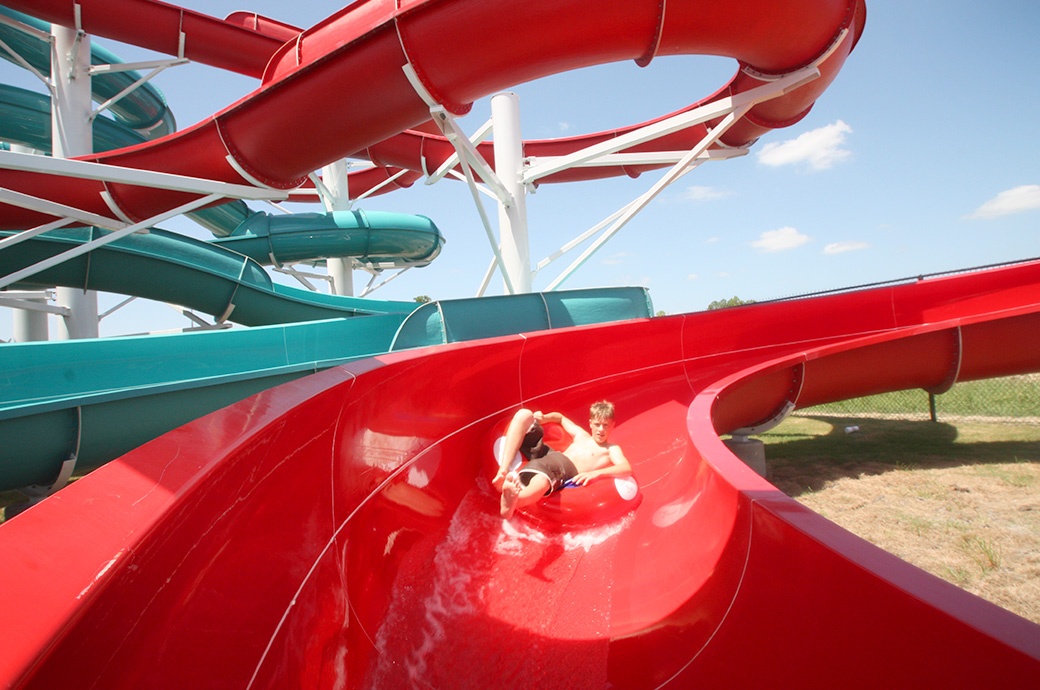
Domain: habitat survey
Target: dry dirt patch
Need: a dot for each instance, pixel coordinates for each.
(963, 506)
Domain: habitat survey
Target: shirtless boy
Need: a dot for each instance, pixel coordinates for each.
(588, 457)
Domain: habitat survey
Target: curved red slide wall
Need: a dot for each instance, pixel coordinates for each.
(339, 531)
(461, 50)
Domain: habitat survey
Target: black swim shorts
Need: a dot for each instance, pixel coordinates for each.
(554, 466)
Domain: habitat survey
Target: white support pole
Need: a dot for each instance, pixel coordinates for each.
(512, 218)
(30, 325)
(72, 136)
(334, 177)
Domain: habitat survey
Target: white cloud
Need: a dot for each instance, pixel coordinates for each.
(842, 247)
(692, 276)
(702, 193)
(779, 240)
(819, 148)
(1016, 200)
(615, 259)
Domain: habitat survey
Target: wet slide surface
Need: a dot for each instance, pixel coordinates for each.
(339, 530)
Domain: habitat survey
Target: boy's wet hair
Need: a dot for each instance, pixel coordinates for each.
(601, 410)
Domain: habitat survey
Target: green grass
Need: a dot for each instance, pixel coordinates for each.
(805, 453)
(1012, 396)
(984, 552)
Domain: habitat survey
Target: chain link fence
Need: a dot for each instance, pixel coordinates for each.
(1011, 399)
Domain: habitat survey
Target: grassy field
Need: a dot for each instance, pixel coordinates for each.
(1013, 396)
(960, 501)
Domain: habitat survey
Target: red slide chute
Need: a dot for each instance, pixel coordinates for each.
(460, 50)
(340, 530)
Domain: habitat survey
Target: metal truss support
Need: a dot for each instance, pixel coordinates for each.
(133, 176)
(156, 67)
(200, 323)
(303, 277)
(375, 274)
(12, 278)
(208, 191)
(470, 160)
(687, 163)
(606, 153)
(511, 250)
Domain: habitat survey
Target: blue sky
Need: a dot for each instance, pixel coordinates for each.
(921, 157)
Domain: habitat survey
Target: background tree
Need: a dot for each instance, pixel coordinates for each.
(731, 302)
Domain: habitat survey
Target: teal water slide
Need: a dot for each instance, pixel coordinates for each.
(226, 284)
(71, 406)
(93, 400)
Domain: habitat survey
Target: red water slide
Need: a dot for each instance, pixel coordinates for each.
(461, 50)
(340, 530)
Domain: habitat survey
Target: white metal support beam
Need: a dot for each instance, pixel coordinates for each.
(709, 155)
(12, 240)
(684, 166)
(609, 153)
(27, 162)
(68, 214)
(116, 308)
(445, 168)
(469, 159)
(31, 301)
(373, 286)
(11, 278)
(447, 124)
(18, 59)
(468, 153)
(384, 183)
(699, 115)
(486, 222)
(25, 28)
(156, 67)
(302, 277)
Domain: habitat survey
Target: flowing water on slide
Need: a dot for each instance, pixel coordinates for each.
(456, 620)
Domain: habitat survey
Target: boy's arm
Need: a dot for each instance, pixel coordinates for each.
(618, 467)
(570, 427)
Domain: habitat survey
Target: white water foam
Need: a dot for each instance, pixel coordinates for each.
(516, 532)
(457, 577)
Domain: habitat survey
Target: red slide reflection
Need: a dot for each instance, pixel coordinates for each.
(339, 530)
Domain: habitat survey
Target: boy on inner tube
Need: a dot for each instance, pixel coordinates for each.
(588, 457)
